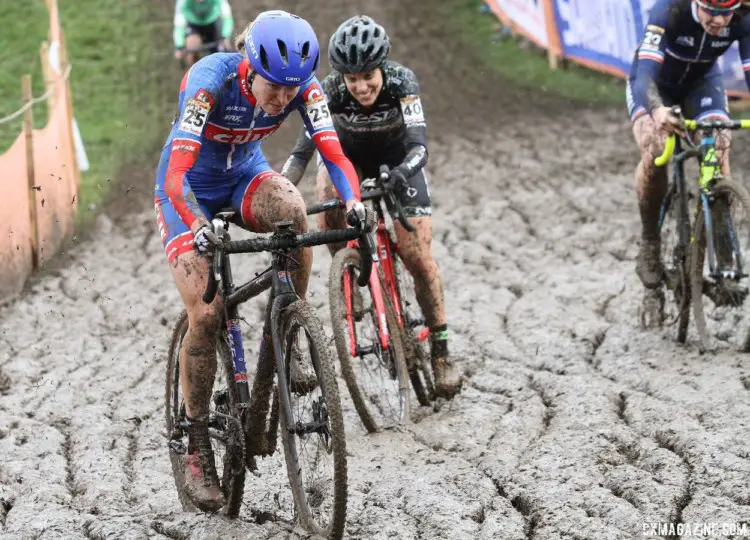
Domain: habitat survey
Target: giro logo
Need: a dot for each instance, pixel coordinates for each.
(253, 50)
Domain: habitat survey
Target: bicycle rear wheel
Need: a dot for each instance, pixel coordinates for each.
(719, 303)
(675, 263)
(416, 335)
(376, 375)
(315, 444)
(225, 425)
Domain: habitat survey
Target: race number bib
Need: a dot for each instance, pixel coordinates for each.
(195, 116)
(411, 109)
(318, 113)
(652, 38)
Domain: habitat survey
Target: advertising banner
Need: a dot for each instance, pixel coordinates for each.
(527, 17)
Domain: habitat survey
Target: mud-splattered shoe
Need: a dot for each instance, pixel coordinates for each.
(201, 481)
(447, 379)
(648, 264)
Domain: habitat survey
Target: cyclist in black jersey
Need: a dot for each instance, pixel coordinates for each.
(378, 116)
(675, 64)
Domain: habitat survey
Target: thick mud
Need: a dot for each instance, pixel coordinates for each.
(573, 422)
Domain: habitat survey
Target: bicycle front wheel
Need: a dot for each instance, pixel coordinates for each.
(674, 256)
(416, 335)
(719, 297)
(369, 348)
(315, 442)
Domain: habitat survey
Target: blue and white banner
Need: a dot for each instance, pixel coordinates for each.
(605, 33)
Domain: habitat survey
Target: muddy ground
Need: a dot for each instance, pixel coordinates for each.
(574, 423)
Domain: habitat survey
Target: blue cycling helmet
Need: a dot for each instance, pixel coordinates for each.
(282, 48)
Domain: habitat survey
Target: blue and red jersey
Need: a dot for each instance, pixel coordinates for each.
(219, 129)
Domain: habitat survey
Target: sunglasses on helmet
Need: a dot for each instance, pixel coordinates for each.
(715, 11)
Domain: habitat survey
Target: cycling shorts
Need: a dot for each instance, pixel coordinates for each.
(236, 192)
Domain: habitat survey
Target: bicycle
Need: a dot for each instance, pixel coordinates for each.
(706, 260)
(239, 421)
(380, 339)
(199, 52)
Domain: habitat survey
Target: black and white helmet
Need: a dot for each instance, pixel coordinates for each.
(358, 45)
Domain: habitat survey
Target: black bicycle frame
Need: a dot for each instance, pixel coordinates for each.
(278, 277)
(680, 190)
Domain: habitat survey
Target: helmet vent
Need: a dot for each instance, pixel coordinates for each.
(283, 51)
(305, 54)
(264, 58)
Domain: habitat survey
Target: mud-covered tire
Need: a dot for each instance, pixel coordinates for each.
(417, 356)
(672, 259)
(725, 187)
(300, 315)
(232, 484)
(342, 261)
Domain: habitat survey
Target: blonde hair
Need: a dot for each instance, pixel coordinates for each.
(239, 39)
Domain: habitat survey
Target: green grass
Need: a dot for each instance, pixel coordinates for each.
(525, 64)
(120, 55)
(20, 56)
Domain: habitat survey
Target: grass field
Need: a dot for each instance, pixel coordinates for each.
(120, 54)
(525, 64)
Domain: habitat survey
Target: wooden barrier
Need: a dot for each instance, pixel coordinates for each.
(40, 176)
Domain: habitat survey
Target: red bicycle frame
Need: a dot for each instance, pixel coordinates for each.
(385, 264)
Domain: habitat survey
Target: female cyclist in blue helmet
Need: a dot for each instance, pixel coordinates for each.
(229, 103)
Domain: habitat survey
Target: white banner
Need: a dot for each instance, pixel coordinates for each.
(603, 31)
(527, 15)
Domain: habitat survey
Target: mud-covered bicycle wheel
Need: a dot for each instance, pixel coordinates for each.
(376, 375)
(416, 336)
(225, 426)
(674, 260)
(720, 306)
(314, 442)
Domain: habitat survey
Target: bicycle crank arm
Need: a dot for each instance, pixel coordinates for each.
(178, 447)
(362, 351)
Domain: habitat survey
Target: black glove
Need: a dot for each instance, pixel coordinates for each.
(205, 240)
(360, 215)
(397, 181)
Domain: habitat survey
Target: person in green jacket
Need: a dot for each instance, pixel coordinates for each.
(197, 22)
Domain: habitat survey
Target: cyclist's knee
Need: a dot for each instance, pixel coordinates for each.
(289, 204)
(324, 189)
(417, 258)
(204, 320)
(650, 140)
(193, 41)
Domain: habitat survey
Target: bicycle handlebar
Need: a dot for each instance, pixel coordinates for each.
(694, 125)
(383, 191)
(290, 242)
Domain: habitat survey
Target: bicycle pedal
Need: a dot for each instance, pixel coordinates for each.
(178, 447)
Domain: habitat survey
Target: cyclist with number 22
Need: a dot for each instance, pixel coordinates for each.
(229, 103)
(378, 115)
(675, 64)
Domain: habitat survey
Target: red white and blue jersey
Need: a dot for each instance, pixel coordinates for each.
(676, 54)
(219, 129)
